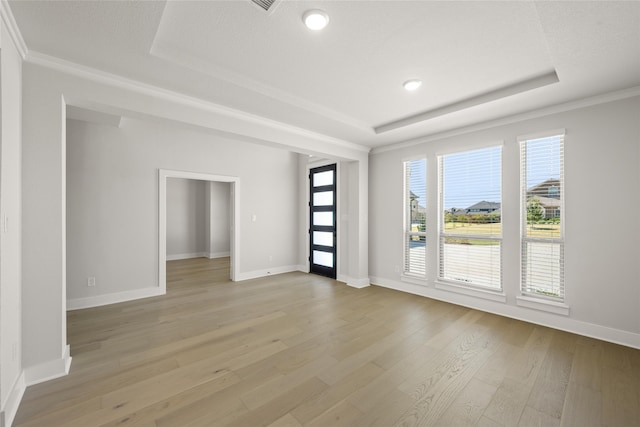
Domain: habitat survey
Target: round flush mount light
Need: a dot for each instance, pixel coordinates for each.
(412, 84)
(315, 19)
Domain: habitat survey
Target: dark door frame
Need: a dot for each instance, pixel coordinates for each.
(316, 268)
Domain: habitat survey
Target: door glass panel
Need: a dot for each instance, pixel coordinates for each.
(323, 178)
(323, 238)
(323, 199)
(323, 258)
(323, 218)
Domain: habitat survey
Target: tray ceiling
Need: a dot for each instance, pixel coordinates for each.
(478, 60)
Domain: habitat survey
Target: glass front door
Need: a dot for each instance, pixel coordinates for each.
(322, 230)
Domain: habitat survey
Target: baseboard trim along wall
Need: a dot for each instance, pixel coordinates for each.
(210, 255)
(561, 322)
(358, 283)
(267, 272)
(99, 300)
(49, 370)
(13, 401)
(213, 255)
(354, 283)
(176, 257)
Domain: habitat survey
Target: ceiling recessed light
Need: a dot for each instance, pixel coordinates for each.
(412, 84)
(315, 19)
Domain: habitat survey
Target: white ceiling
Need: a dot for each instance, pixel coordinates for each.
(478, 60)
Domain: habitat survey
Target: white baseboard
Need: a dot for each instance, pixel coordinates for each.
(210, 255)
(551, 320)
(354, 283)
(303, 268)
(48, 370)
(175, 257)
(266, 272)
(98, 300)
(358, 283)
(213, 255)
(13, 401)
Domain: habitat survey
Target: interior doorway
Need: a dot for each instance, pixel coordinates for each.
(322, 220)
(233, 186)
(198, 219)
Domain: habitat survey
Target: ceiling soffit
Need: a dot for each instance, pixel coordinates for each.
(353, 72)
(480, 61)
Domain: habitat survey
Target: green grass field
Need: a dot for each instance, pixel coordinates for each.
(537, 230)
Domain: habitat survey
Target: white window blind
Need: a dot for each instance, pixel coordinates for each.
(415, 220)
(471, 227)
(542, 216)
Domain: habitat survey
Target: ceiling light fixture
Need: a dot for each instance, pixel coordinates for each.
(412, 84)
(315, 19)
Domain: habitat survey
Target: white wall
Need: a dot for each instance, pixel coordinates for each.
(113, 194)
(11, 381)
(602, 150)
(187, 218)
(219, 222)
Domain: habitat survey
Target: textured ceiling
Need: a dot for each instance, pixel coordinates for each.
(346, 81)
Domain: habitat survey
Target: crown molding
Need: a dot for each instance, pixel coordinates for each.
(191, 62)
(541, 112)
(9, 22)
(103, 77)
(493, 95)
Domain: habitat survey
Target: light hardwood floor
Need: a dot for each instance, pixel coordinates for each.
(298, 349)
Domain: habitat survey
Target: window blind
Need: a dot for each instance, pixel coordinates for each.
(542, 216)
(471, 226)
(415, 220)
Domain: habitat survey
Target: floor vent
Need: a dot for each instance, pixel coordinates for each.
(264, 4)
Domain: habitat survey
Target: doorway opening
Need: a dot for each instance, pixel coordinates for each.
(216, 186)
(198, 229)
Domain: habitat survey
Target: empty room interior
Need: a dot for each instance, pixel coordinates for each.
(319, 213)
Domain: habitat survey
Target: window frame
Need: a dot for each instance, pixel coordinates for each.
(407, 233)
(474, 289)
(528, 297)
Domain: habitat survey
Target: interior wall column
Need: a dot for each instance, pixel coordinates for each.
(46, 354)
(358, 219)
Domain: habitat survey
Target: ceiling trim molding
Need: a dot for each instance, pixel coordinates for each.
(103, 77)
(492, 95)
(183, 59)
(10, 23)
(541, 112)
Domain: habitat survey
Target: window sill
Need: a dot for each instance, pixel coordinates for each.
(414, 280)
(497, 296)
(543, 305)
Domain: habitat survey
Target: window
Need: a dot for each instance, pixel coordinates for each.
(470, 225)
(415, 217)
(542, 216)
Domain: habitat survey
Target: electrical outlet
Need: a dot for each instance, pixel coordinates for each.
(397, 269)
(270, 258)
(91, 281)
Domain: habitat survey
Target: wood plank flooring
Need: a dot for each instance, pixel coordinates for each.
(303, 350)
